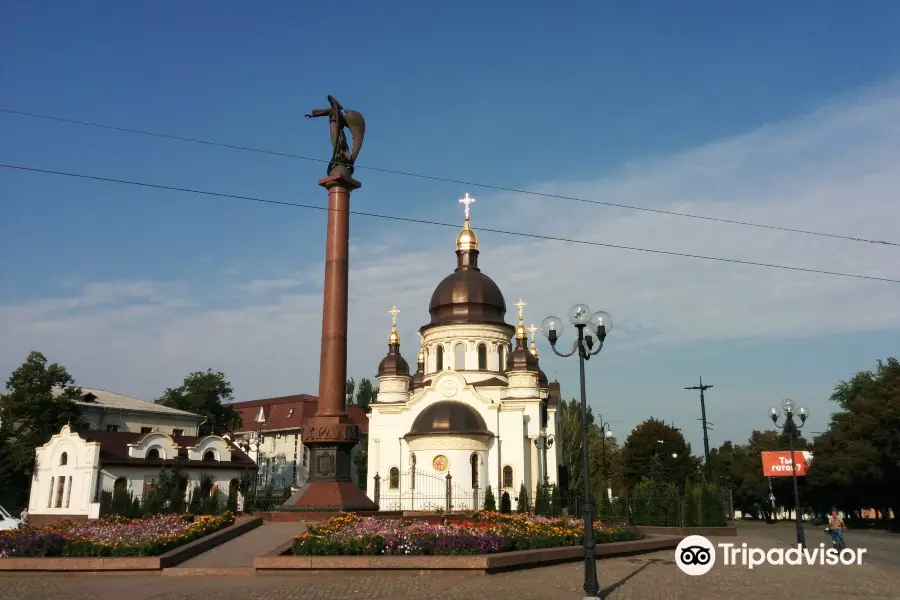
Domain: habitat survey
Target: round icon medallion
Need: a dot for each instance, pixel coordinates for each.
(449, 387)
(440, 463)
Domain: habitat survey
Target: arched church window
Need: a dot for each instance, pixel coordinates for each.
(507, 476)
(439, 358)
(64, 459)
(460, 357)
(482, 357)
(394, 479)
(474, 462)
(153, 453)
(209, 456)
(500, 355)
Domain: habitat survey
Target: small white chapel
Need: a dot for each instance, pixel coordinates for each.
(477, 412)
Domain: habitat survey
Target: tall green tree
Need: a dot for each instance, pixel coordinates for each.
(857, 461)
(366, 393)
(571, 446)
(350, 390)
(205, 393)
(39, 400)
(654, 441)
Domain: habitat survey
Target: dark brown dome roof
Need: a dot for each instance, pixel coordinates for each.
(393, 363)
(543, 382)
(467, 296)
(521, 359)
(448, 417)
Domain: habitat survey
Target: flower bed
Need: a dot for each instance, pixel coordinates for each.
(479, 533)
(114, 536)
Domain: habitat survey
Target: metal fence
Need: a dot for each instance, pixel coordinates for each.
(420, 491)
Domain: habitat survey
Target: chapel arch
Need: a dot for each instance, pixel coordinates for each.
(482, 357)
(459, 358)
(439, 358)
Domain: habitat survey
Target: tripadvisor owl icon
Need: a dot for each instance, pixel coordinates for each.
(695, 555)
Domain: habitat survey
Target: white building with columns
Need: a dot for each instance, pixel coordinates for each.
(475, 410)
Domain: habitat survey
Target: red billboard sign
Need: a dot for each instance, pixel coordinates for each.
(778, 463)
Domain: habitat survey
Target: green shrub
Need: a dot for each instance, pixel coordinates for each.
(490, 503)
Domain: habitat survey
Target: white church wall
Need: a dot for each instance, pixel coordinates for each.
(512, 451)
(64, 476)
(138, 479)
(449, 336)
(553, 451)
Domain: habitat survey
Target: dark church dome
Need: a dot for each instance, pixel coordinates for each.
(467, 295)
(449, 417)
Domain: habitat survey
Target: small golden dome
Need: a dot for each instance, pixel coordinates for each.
(420, 358)
(466, 240)
(520, 331)
(534, 350)
(394, 338)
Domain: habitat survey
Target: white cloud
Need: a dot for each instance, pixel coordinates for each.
(834, 170)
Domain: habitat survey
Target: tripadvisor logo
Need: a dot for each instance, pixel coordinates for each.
(696, 555)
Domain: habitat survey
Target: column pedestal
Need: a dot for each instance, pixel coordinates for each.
(330, 434)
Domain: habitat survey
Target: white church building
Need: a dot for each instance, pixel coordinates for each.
(74, 467)
(477, 412)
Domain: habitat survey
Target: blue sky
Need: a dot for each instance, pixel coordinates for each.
(767, 113)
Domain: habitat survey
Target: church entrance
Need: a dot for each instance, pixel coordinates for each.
(416, 490)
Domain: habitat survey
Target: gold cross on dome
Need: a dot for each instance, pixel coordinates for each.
(521, 306)
(394, 312)
(467, 201)
(531, 330)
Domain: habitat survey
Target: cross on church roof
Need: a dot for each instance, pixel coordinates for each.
(520, 305)
(531, 330)
(467, 201)
(394, 312)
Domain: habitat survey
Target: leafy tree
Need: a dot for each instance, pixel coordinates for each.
(571, 451)
(740, 468)
(351, 386)
(505, 503)
(208, 394)
(651, 441)
(39, 400)
(857, 461)
(366, 393)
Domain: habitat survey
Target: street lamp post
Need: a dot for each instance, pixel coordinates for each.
(791, 427)
(543, 442)
(598, 325)
(605, 432)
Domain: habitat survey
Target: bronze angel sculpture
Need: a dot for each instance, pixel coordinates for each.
(342, 157)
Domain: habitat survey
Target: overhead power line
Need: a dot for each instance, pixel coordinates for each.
(160, 186)
(194, 140)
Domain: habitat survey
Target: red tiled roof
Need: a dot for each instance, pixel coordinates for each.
(289, 412)
(114, 451)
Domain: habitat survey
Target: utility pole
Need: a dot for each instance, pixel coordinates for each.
(702, 389)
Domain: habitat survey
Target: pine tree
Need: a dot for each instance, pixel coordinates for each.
(522, 500)
(489, 502)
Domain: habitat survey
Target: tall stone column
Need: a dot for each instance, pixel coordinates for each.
(330, 435)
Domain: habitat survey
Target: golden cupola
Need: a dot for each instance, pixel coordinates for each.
(467, 295)
(521, 358)
(393, 363)
(417, 380)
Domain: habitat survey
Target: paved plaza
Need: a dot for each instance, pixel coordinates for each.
(647, 576)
